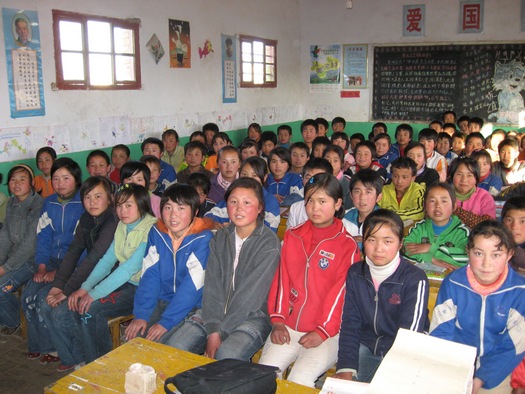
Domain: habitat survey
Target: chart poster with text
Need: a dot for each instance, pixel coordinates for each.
(24, 63)
(229, 70)
(355, 66)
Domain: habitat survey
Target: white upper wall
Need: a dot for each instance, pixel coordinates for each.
(376, 22)
(166, 91)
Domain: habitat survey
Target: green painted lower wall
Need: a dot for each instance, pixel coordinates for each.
(236, 136)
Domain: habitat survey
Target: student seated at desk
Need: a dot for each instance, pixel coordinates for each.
(234, 321)
(441, 238)
(404, 195)
(482, 305)
(173, 268)
(383, 293)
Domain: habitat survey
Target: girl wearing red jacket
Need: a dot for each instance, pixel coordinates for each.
(306, 297)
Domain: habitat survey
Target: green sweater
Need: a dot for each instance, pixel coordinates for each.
(449, 246)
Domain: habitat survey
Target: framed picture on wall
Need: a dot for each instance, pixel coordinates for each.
(355, 66)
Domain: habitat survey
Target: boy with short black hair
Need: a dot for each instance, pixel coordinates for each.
(449, 117)
(194, 154)
(474, 141)
(428, 137)
(153, 164)
(284, 135)
(366, 189)
(322, 125)
(386, 154)
(267, 143)
(404, 196)
(449, 128)
(458, 143)
(463, 124)
(202, 184)
(444, 145)
(154, 146)
(319, 144)
(365, 154)
(173, 153)
(98, 163)
(210, 130)
(355, 139)
(341, 139)
(404, 134)
(300, 154)
(475, 124)
(338, 124)
(120, 154)
(509, 168)
(378, 128)
(309, 130)
(436, 125)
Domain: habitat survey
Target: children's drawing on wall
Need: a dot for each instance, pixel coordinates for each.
(15, 143)
(509, 80)
(155, 48)
(206, 49)
(325, 69)
(180, 46)
(24, 62)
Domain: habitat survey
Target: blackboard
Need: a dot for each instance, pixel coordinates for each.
(419, 83)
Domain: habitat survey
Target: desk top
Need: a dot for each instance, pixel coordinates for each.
(107, 374)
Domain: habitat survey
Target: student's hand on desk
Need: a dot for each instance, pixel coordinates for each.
(344, 375)
(84, 304)
(280, 334)
(441, 263)
(213, 344)
(137, 326)
(74, 298)
(155, 332)
(310, 340)
(412, 248)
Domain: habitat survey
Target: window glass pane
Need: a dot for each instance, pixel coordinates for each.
(258, 58)
(270, 73)
(70, 36)
(270, 58)
(73, 66)
(247, 72)
(246, 47)
(100, 72)
(99, 36)
(123, 40)
(258, 48)
(269, 50)
(124, 68)
(258, 74)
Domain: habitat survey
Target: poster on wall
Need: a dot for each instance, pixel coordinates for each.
(180, 44)
(355, 66)
(413, 20)
(471, 16)
(325, 68)
(24, 62)
(229, 71)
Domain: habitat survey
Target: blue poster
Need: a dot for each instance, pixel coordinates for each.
(229, 70)
(24, 63)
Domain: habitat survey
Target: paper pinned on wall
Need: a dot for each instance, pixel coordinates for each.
(239, 120)
(163, 123)
(140, 128)
(268, 116)
(15, 143)
(115, 130)
(82, 133)
(254, 116)
(224, 120)
(187, 124)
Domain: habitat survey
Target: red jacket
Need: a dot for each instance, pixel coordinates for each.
(308, 291)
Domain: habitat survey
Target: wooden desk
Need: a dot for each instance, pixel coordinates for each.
(107, 374)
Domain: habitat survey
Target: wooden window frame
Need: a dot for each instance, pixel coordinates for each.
(134, 25)
(265, 41)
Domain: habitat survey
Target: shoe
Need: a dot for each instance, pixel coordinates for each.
(33, 356)
(80, 365)
(64, 368)
(9, 330)
(48, 359)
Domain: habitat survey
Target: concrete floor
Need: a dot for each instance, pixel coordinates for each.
(19, 375)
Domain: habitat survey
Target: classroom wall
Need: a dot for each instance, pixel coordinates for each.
(376, 22)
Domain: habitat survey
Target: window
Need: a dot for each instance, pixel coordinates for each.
(94, 52)
(258, 62)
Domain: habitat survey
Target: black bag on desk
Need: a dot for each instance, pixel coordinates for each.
(227, 376)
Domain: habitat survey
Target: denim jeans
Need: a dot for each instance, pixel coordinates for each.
(9, 284)
(64, 331)
(38, 339)
(368, 364)
(241, 344)
(94, 323)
